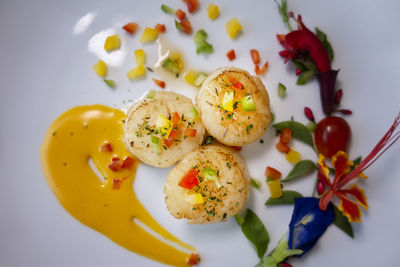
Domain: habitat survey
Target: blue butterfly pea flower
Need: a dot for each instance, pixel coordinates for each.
(308, 223)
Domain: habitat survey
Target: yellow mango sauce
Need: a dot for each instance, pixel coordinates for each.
(74, 138)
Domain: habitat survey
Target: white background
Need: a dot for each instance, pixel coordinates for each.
(46, 68)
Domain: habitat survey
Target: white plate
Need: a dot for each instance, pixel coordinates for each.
(46, 68)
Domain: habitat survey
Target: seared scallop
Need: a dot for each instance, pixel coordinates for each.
(161, 130)
(234, 106)
(207, 186)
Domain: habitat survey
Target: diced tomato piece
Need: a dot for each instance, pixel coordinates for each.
(237, 84)
(160, 28)
(285, 136)
(261, 71)
(159, 83)
(298, 71)
(175, 118)
(187, 27)
(190, 132)
(281, 37)
(116, 164)
(117, 183)
(130, 27)
(231, 54)
(192, 5)
(180, 14)
(193, 259)
(272, 173)
(255, 56)
(237, 148)
(127, 163)
(190, 179)
(282, 147)
(106, 148)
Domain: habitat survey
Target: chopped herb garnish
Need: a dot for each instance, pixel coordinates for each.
(228, 165)
(248, 128)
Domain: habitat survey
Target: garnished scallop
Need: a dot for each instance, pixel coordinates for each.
(161, 130)
(207, 186)
(234, 106)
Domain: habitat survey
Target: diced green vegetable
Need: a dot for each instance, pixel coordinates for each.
(248, 103)
(281, 90)
(255, 183)
(200, 37)
(167, 9)
(171, 66)
(211, 175)
(192, 114)
(155, 144)
(178, 25)
(312, 126)
(304, 77)
(151, 94)
(110, 83)
(204, 48)
(200, 79)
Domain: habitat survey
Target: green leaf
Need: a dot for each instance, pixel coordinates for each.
(255, 231)
(287, 197)
(255, 183)
(324, 40)
(239, 219)
(304, 77)
(342, 222)
(299, 131)
(110, 83)
(301, 168)
(167, 9)
(283, 12)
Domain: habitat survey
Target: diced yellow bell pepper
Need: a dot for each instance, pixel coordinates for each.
(191, 76)
(233, 27)
(164, 125)
(293, 156)
(176, 57)
(100, 68)
(148, 35)
(213, 11)
(227, 101)
(140, 57)
(275, 188)
(193, 199)
(136, 72)
(112, 42)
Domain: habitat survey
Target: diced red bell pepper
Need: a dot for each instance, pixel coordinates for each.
(171, 138)
(127, 163)
(281, 37)
(193, 259)
(160, 28)
(175, 118)
(180, 14)
(190, 132)
(231, 54)
(117, 183)
(237, 84)
(187, 27)
(190, 179)
(159, 83)
(116, 164)
(237, 148)
(255, 56)
(130, 27)
(272, 173)
(192, 5)
(285, 136)
(106, 148)
(261, 71)
(282, 147)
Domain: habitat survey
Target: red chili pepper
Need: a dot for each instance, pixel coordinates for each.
(231, 54)
(261, 71)
(160, 28)
(190, 179)
(255, 56)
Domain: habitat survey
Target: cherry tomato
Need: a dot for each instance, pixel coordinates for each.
(332, 134)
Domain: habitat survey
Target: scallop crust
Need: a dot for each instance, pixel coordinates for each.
(220, 203)
(239, 127)
(141, 124)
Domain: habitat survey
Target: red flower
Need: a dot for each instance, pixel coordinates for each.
(344, 174)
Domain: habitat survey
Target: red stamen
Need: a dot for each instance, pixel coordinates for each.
(387, 141)
(345, 111)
